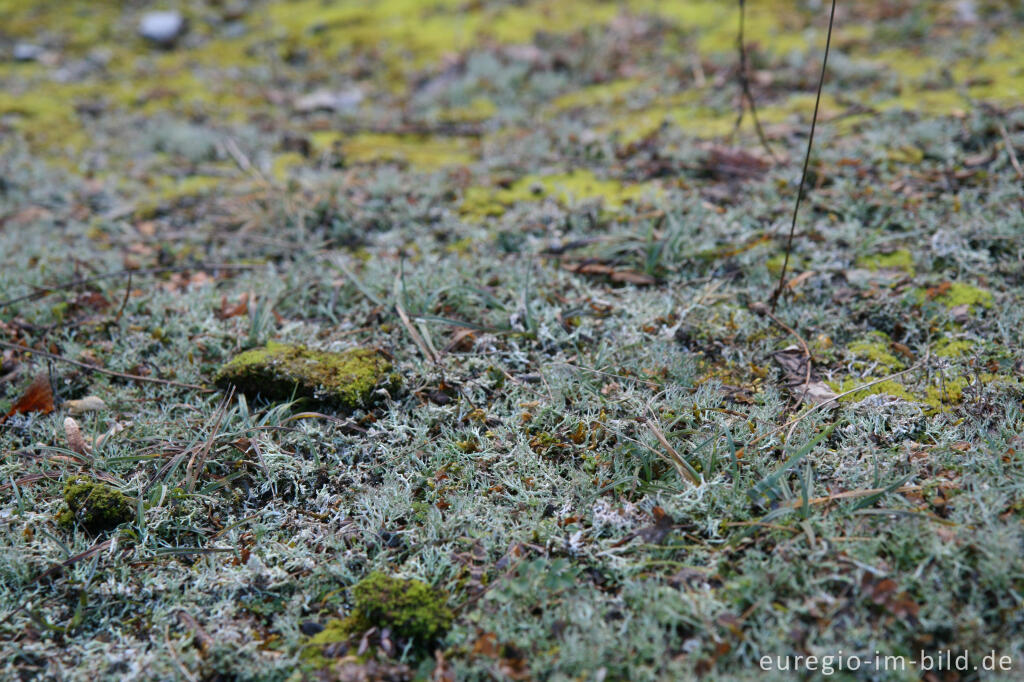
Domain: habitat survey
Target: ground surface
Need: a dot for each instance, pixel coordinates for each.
(554, 197)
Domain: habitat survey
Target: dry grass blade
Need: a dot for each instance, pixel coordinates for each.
(203, 639)
(197, 461)
(673, 457)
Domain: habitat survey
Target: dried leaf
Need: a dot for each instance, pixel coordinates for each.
(240, 308)
(38, 397)
(730, 163)
(794, 365)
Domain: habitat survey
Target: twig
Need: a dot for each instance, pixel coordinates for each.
(124, 301)
(1010, 150)
(100, 370)
(745, 88)
(807, 160)
(70, 284)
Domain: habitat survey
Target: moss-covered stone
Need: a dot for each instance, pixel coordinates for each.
(409, 608)
(346, 381)
(95, 506)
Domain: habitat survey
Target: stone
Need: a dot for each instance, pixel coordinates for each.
(162, 28)
(346, 381)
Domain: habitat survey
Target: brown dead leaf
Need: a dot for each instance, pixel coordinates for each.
(38, 397)
(794, 365)
(728, 163)
(614, 274)
(228, 311)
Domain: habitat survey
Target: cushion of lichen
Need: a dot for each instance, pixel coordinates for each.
(97, 507)
(345, 381)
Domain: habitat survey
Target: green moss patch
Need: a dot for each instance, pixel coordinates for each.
(901, 259)
(875, 349)
(412, 610)
(95, 506)
(346, 381)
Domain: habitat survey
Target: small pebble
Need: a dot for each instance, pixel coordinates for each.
(26, 52)
(310, 627)
(162, 28)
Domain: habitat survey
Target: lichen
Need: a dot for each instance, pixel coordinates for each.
(346, 381)
(412, 610)
(95, 506)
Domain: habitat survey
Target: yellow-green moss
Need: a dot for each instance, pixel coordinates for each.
(580, 185)
(411, 609)
(960, 293)
(901, 259)
(95, 506)
(422, 152)
(346, 380)
(889, 387)
(950, 348)
(874, 348)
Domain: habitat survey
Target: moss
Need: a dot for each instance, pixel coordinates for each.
(965, 294)
(948, 392)
(949, 348)
(580, 185)
(901, 259)
(346, 381)
(95, 506)
(889, 387)
(875, 348)
(422, 152)
(411, 609)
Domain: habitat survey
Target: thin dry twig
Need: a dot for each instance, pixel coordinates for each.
(202, 638)
(71, 284)
(100, 370)
(1011, 152)
(807, 160)
(745, 88)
